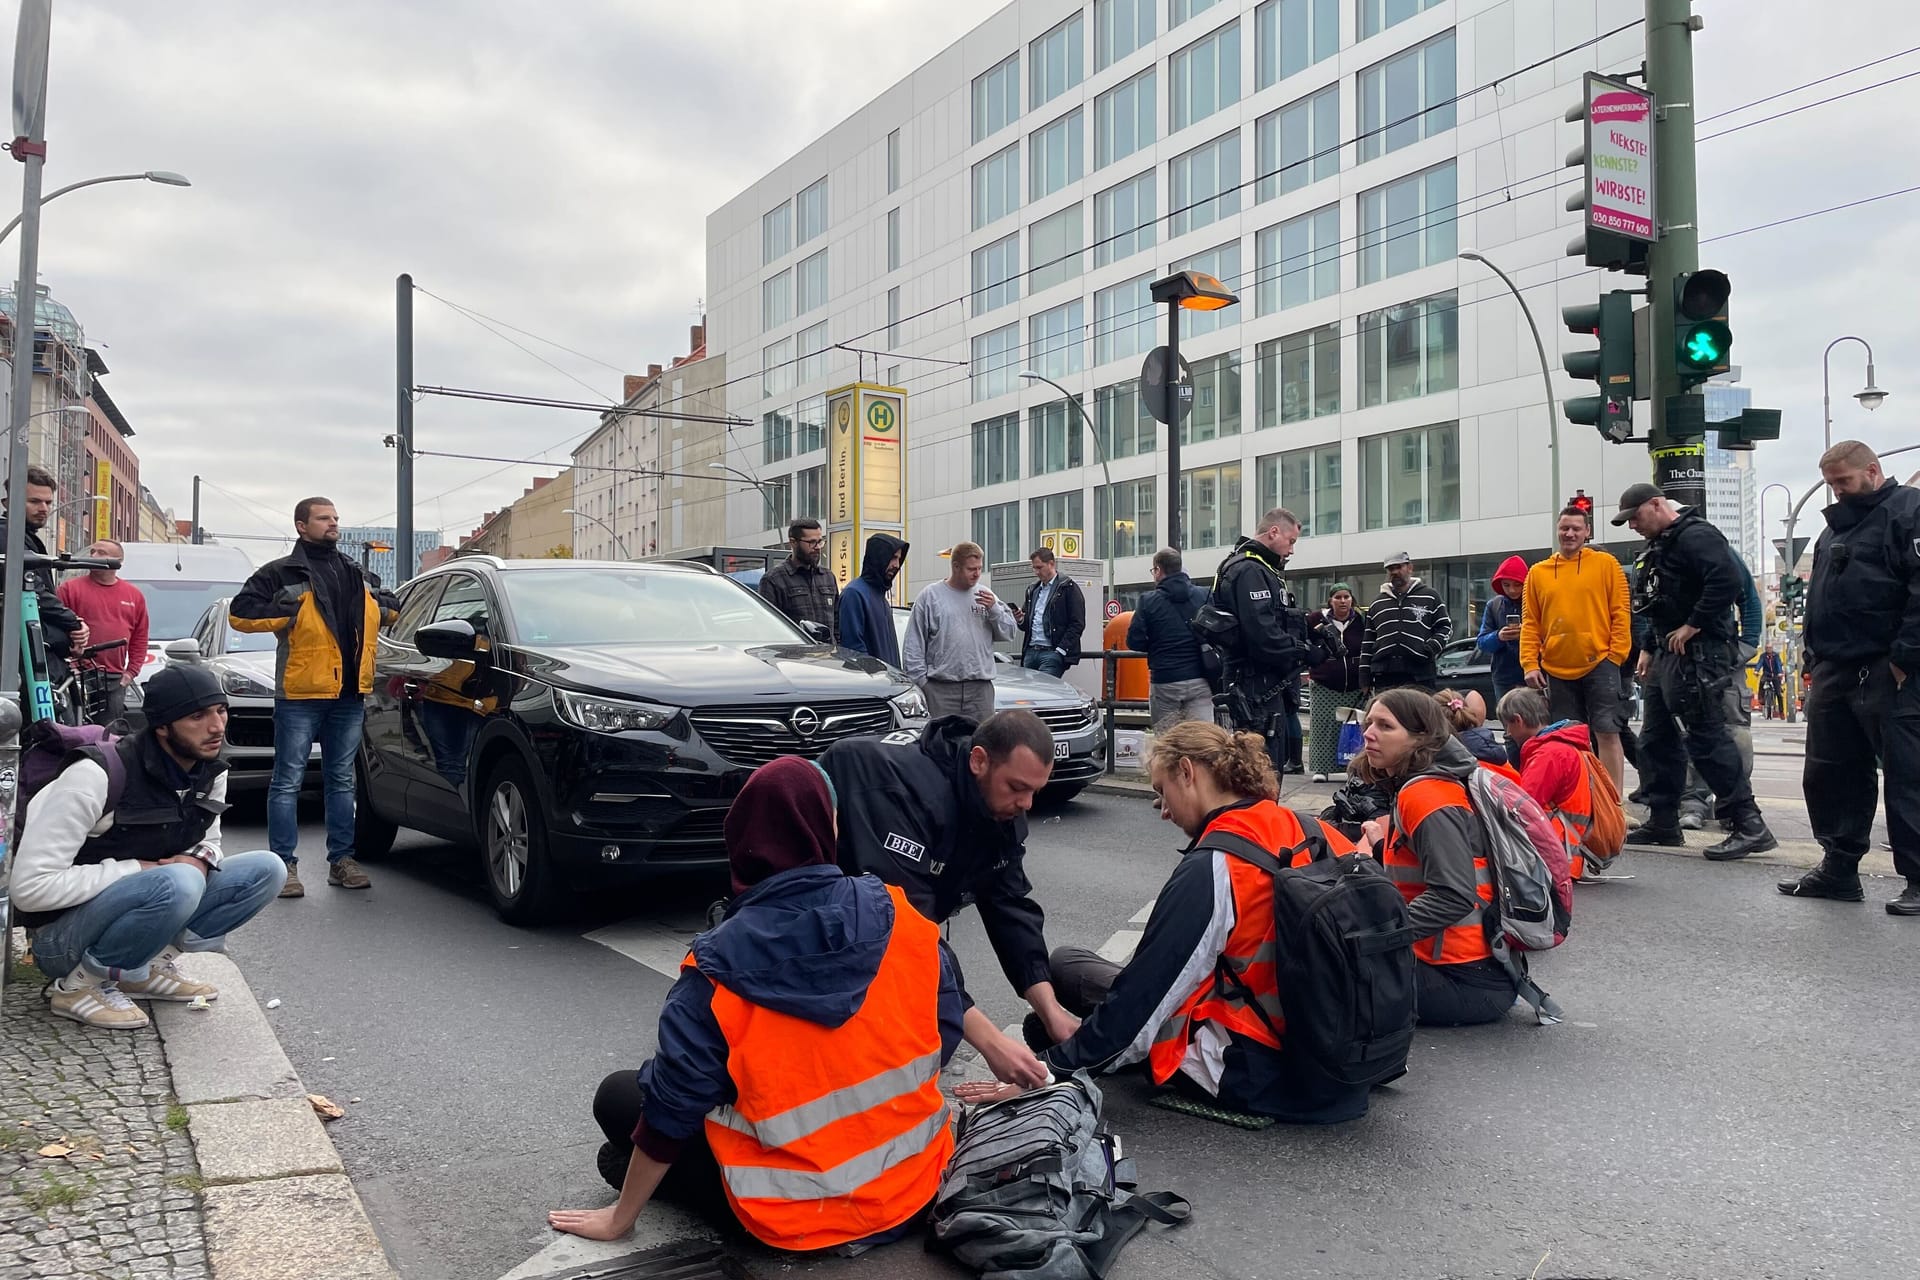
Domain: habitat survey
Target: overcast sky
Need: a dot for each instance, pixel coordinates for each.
(555, 172)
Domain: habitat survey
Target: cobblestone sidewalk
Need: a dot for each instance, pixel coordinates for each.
(133, 1213)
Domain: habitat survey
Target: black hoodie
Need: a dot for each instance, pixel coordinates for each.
(1863, 602)
(866, 616)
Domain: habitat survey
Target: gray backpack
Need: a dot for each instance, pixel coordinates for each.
(1037, 1190)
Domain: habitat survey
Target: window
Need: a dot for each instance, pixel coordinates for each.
(1299, 376)
(1123, 320)
(893, 239)
(465, 600)
(1406, 98)
(1299, 260)
(810, 425)
(1056, 61)
(1123, 119)
(1204, 185)
(776, 233)
(1123, 519)
(1056, 155)
(811, 347)
(776, 436)
(1216, 400)
(1179, 11)
(996, 274)
(893, 317)
(1298, 144)
(1224, 265)
(1053, 248)
(1120, 27)
(1292, 35)
(1408, 224)
(996, 450)
(776, 368)
(413, 613)
(893, 162)
(1410, 350)
(777, 496)
(776, 300)
(810, 492)
(1210, 506)
(1205, 77)
(810, 279)
(996, 98)
(996, 362)
(1307, 483)
(1056, 511)
(1123, 220)
(1053, 441)
(1377, 15)
(1410, 477)
(811, 208)
(1121, 417)
(1059, 335)
(997, 530)
(996, 186)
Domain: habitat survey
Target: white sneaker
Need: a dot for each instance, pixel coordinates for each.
(96, 1002)
(164, 981)
(1319, 777)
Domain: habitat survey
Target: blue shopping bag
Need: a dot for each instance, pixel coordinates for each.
(1351, 741)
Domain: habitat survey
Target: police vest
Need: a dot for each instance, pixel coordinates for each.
(1465, 940)
(837, 1133)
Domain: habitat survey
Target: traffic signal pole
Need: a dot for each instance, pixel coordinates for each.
(1679, 460)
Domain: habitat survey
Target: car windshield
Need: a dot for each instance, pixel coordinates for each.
(250, 641)
(639, 606)
(175, 607)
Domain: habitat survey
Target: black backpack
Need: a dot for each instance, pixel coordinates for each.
(1343, 957)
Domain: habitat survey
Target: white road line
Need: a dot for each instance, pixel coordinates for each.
(658, 945)
(659, 1224)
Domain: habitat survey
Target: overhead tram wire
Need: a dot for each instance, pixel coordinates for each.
(1794, 111)
(561, 346)
(1785, 93)
(1802, 217)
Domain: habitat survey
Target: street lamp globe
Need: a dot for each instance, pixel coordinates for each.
(1870, 396)
(166, 178)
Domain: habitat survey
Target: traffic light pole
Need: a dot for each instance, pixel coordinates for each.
(1679, 461)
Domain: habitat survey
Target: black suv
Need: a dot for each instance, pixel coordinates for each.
(584, 721)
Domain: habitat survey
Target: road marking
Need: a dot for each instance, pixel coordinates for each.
(660, 1224)
(658, 944)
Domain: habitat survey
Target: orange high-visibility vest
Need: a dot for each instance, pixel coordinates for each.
(1573, 820)
(837, 1133)
(1465, 940)
(1250, 951)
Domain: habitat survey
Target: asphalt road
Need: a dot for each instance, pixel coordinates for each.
(1731, 1096)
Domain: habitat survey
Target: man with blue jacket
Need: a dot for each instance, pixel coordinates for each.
(866, 615)
(1162, 628)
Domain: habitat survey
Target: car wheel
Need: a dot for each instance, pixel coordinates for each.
(372, 834)
(1061, 792)
(513, 845)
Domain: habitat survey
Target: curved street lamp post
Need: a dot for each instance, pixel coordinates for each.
(1100, 448)
(161, 176)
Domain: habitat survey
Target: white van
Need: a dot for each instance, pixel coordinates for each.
(179, 581)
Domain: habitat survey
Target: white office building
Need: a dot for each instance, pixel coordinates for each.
(1005, 207)
(1733, 490)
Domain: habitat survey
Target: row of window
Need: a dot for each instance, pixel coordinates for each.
(805, 214)
(1407, 478)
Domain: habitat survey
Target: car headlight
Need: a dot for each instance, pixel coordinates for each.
(1090, 713)
(610, 715)
(909, 706)
(245, 683)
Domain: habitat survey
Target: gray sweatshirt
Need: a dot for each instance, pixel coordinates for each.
(950, 637)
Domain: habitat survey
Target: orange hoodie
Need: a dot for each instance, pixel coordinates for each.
(1577, 612)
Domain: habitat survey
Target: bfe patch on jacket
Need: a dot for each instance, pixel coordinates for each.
(1260, 595)
(911, 850)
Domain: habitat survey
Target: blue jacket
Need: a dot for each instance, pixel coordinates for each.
(1506, 653)
(1162, 628)
(866, 617)
(805, 942)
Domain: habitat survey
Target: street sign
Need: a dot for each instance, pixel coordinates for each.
(1619, 159)
(1113, 609)
(1153, 385)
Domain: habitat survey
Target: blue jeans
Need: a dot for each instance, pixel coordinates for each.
(1047, 661)
(117, 932)
(298, 723)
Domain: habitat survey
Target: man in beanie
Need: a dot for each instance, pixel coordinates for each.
(795, 1088)
(119, 867)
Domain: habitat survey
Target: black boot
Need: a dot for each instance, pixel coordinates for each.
(612, 1162)
(1836, 878)
(1750, 835)
(1661, 829)
(1908, 903)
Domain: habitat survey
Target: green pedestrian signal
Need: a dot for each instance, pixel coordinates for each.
(1702, 340)
(1703, 348)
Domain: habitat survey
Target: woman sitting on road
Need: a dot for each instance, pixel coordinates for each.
(1432, 846)
(1466, 713)
(1168, 1008)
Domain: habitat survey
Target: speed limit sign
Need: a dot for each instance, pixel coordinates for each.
(1113, 608)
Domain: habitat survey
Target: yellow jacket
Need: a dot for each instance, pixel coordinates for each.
(280, 598)
(1575, 612)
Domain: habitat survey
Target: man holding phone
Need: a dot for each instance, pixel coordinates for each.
(950, 635)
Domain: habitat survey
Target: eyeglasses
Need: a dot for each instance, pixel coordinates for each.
(813, 543)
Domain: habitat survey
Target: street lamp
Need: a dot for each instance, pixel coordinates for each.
(766, 511)
(1183, 291)
(1100, 448)
(1870, 396)
(1788, 553)
(569, 511)
(161, 176)
(1546, 374)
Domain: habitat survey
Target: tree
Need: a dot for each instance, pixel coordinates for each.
(564, 551)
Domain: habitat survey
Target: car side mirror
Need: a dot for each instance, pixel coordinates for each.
(453, 639)
(187, 651)
(818, 632)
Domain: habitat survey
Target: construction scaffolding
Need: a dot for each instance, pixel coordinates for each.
(57, 427)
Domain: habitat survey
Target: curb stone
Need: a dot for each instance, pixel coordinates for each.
(278, 1203)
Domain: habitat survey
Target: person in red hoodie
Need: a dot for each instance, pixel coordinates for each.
(1553, 768)
(113, 610)
(1500, 626)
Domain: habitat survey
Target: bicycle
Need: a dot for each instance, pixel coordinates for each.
(85, 695)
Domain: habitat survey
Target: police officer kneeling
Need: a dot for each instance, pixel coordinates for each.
(1269, 648)
(1686, 591)
(113, 893)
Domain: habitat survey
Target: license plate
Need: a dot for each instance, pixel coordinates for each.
(1059, 750)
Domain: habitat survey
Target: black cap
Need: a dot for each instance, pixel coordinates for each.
(178, 690)
(1634, 498)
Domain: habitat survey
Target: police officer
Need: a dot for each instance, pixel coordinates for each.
(1863, 648)
(1685, 592)
(1270, 646)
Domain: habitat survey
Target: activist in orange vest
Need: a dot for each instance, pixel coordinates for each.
(796, 1087)
(1553, 769)
(1432, 846)
(1198, 1004)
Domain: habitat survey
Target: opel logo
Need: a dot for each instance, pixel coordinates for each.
(805, 721)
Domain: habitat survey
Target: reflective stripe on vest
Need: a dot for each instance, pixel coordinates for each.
(837, 1133)
(1465, 940)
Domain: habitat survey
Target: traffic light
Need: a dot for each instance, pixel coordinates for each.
(1702, 341)
(1583, 504)
(1793, 588)
(1610, 365)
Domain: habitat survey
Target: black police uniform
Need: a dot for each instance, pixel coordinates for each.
(1273, 647)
